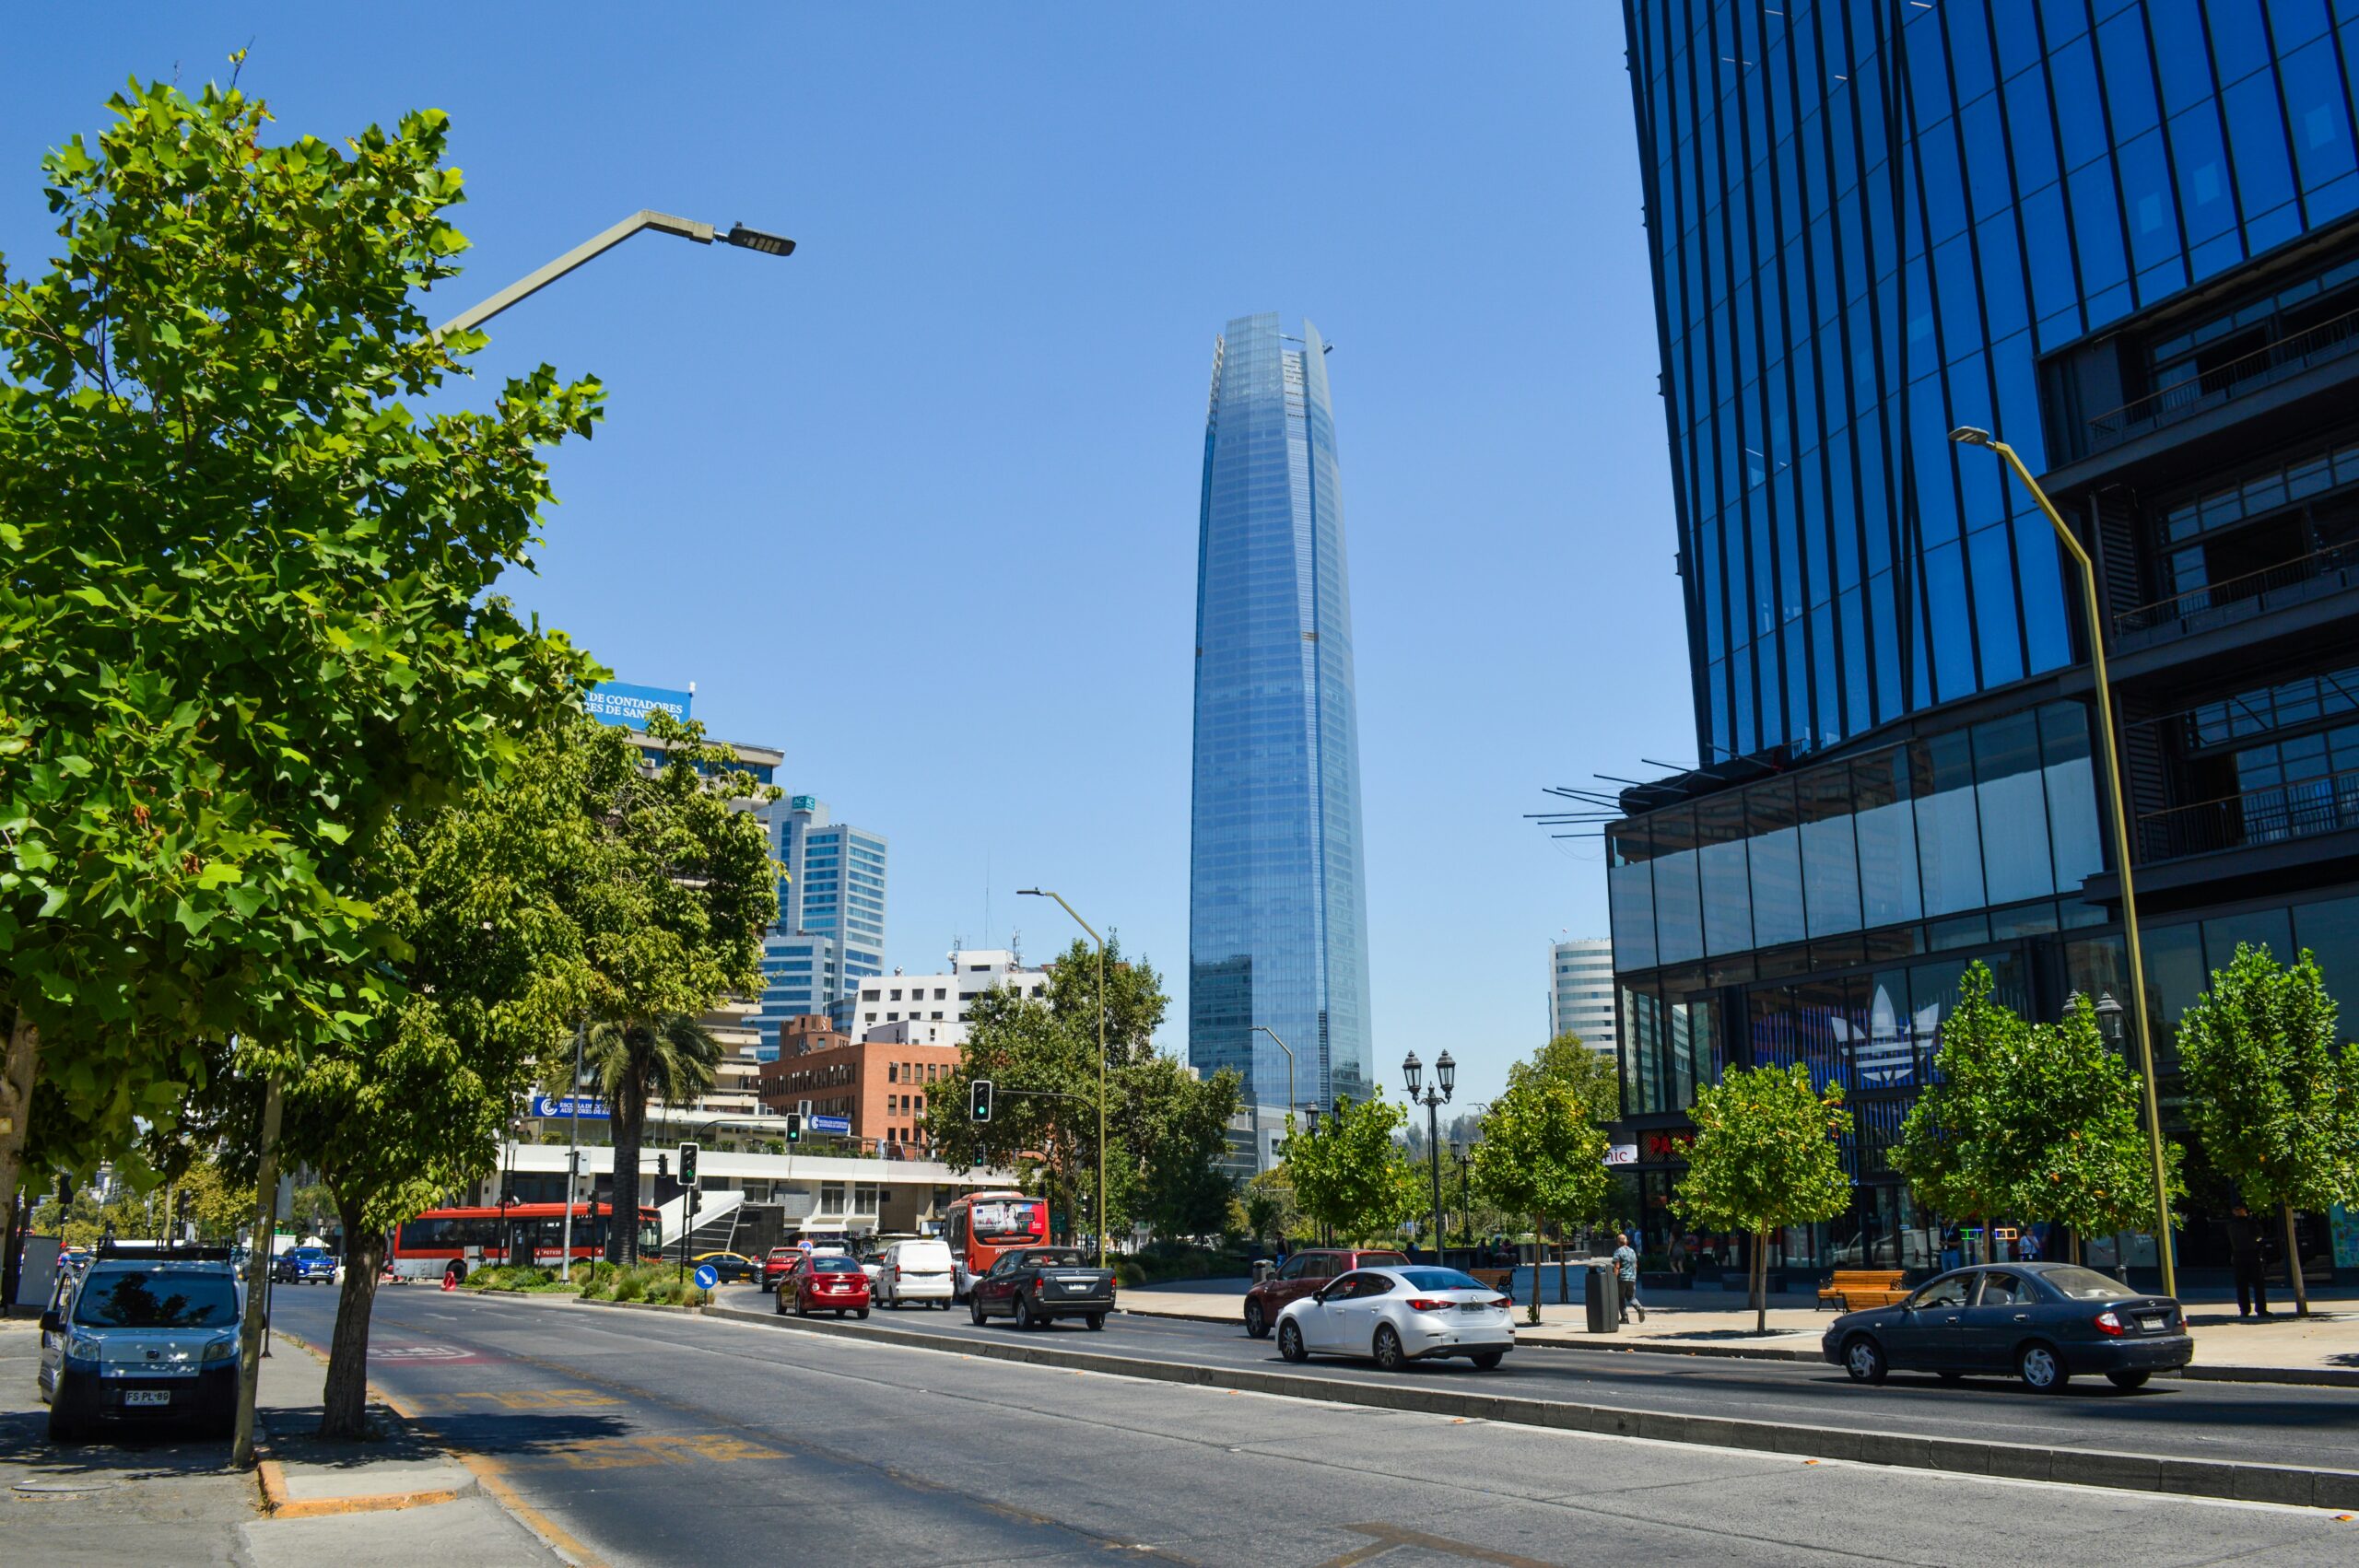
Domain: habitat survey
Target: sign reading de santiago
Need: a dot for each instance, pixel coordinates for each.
(619, 702)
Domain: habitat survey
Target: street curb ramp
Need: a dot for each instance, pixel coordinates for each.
(2230, 1479)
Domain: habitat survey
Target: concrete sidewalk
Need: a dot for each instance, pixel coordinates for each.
(2322, 1347)
(170, 1497)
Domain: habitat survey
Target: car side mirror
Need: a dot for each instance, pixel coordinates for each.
(50, 1324)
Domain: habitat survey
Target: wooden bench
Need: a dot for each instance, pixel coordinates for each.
(1499, 1279)
(1852, 1289)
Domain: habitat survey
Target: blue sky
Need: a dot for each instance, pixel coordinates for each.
(919, 504)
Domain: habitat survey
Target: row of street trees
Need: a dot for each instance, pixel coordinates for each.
(310, 851)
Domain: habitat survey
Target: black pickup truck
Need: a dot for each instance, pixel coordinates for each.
(1036, 1284)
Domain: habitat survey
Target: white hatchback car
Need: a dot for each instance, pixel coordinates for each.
(916, 1273)
(1400, 1315)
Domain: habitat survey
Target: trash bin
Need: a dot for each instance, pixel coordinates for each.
(1263, 1268)
(1600, 1297)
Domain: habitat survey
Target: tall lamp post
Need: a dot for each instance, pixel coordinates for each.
(1966, 435)
(1265, 1029)
(1310, 1130)
(531, 283)
(1444, 1080)
(1465, 1210)
(1100, 1216)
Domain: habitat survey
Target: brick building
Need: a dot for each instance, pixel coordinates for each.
(881, 1085)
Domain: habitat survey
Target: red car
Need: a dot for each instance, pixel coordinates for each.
(825, 1283)
(1303, 1273)
(778, 1264)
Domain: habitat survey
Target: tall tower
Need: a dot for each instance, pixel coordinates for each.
(1277, 931)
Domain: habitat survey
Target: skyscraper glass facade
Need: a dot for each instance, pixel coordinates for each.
(1868, 220)
(832, 888)
(1278, 910)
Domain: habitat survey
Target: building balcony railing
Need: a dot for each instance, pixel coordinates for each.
(2288, 356)
(2239, 598)
(2275, 815)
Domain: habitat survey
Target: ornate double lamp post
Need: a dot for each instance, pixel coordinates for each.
(1413, 1073)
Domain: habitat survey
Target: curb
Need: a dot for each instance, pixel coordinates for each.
(2234, 1480)
(635, 1306)
(2310, 1376)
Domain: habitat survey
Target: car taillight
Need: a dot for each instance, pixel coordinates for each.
(896, 1271)
(1039, 1281)
(1503, 1301)
(2107, 1323)
(1427, 1304)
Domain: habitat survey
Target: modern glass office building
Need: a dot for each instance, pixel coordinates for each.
(2124, 235)
(1278, 909)
(831, 902)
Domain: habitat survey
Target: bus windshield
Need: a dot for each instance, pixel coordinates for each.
(1006, 1219)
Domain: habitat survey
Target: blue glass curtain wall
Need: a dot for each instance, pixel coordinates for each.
(1868, 219)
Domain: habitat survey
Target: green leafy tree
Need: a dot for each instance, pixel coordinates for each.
(1764, 1157)
(1542, 1154)
(1593, 1076)
(674, 1058)
(1353, 1176)
(1269, 1204)
(1173, 1129)
(2065, 1133)
(1041, 1053)
(2274, 1103)
(1951, 1142)
(248, 612)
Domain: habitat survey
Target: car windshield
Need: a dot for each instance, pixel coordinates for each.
(2084, 1284)
(834, 1266)
(1055, 1257)
(137, 1299)
(1440, 1279)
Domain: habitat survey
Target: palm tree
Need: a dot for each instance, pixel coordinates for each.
(671, 1058)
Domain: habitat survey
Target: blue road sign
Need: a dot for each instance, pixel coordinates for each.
(835, 1124)
(593, 1108)
(707, 1276)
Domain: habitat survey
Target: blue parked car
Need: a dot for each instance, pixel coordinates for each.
(304, 1266)
(2042, 1322)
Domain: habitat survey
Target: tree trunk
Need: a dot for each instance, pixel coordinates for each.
(1532, 1313)
(2076, 1246)
(2294, 1265)
(258, 1257)
(622, 1226)
(1758, 1281)
(344, 1414)
(17, 1071)
(1563, 1273)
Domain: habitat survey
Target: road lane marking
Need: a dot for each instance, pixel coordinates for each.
(518, 1399)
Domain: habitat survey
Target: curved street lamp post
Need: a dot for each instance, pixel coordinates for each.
(1098, 1218)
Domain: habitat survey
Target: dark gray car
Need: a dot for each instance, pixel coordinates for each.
(2042, 1322)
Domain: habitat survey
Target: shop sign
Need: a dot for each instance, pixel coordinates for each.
(1622, 1155)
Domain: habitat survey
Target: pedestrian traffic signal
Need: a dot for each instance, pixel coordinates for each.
(978, 1100)
(795, 1127)
(662, 1163)
(688, 1165)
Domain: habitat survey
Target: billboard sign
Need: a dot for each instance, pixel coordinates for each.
(840, 1125)
(618, 702)
(591, 1107)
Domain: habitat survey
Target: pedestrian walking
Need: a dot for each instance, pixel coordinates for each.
(2244, 1258)
(1626, 1274)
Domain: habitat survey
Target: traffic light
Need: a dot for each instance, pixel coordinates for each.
(978, 1100)
(795, 1127)
(662, 1163)
(688, 1165)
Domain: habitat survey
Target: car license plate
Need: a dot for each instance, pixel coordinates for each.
(2152, 1322)
(1473, 1306)
(147, 1396)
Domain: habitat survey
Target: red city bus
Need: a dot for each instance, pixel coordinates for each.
(981, 1225)
(427, 1247)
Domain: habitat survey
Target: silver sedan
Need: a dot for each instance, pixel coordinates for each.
(1398, 1316)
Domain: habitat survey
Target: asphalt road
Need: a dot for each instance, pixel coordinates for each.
(665, 1438)
(2267, 1423)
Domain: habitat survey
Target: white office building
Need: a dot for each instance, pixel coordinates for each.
(1580, 991)
(946, 998)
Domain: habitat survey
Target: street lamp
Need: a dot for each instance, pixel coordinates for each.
(531, 283)
(1265, 1029)
(1444, 1080)
(1100, 1216)
(1966, 435)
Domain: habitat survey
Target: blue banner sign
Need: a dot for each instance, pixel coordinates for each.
(591, 1107)
(618, 702)
(840, 1125)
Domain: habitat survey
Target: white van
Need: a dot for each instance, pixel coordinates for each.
(916, 1273)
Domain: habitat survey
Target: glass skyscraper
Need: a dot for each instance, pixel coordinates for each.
(1277, 931)
(2124, 236)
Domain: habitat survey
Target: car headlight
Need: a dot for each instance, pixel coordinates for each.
(82, 1347)
(220, 1349)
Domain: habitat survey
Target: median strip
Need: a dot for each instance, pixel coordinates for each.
(2230, 1479)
